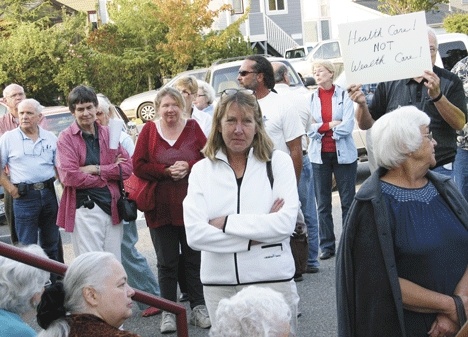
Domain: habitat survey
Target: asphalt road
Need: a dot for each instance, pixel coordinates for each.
(317, 291)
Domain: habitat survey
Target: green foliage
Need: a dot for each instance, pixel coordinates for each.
(456, 23)
(146, 41)
(396, 7)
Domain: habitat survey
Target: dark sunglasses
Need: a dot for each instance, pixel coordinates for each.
(246, 72)
(230, 92)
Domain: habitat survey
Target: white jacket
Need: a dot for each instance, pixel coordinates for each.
(228, 257)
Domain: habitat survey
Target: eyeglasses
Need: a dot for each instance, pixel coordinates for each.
(233, 91)
(429, 136)
(99, 113)
(244, 73)
(433, 50)
(30, 150)
(48, 283)
(202, 95)
(20, 94)
(185, 92)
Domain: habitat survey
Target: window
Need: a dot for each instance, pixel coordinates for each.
(237, 7)
(276, 6)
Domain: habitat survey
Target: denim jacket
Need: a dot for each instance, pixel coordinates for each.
(342, 109)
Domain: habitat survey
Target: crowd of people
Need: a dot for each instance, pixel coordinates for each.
(232, 179)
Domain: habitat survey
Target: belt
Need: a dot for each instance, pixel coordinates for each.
(40, 186)
(304, 152)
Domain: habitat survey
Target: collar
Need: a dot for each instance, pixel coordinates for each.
(221, 155)
(369, 191)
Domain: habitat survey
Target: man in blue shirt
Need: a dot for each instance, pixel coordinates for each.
(29, 151)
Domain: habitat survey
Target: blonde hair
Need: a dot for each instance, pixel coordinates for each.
(188, 82)
(324, 63)
(261, 144)
(173, 93)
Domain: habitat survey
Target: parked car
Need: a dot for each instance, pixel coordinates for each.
(324, 50)
(223, 74)
(141, 105)
(299, 51)
(58, 118)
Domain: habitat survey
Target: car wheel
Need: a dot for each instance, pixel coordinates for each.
(146, 112)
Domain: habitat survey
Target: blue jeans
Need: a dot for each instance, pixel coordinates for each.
(460, 171)
(139, 274)
(309, 209)
(345, 176)
(36, 220)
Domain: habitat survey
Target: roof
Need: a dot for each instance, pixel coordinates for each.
(79, 5)
(433, 17)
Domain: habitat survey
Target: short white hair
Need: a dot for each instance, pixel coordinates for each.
(396, 134)
(31, 101)
(254, 311)
(104, 105)
(9, 88)
(207, 90)
(19, 282)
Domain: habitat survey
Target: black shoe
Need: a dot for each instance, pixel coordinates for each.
(311, 270)
(326, 255)
(183, 297)
(298, 278)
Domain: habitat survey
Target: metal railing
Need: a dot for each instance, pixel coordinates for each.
(277, 37)
(58, 268)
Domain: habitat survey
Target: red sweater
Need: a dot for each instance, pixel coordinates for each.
(328, 143)
(150, 161)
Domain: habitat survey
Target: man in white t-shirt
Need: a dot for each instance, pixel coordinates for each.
(282, 123)
(300, 100)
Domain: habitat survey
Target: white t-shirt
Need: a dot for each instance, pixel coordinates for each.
(282, 122)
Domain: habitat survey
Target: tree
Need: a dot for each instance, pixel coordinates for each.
(456, 23)
(396, 7)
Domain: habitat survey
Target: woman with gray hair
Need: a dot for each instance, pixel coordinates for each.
(21, 287)
(403, 256)
(253, 311)
(205, 97)
(94, 299)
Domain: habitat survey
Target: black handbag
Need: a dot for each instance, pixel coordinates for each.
(127, 208)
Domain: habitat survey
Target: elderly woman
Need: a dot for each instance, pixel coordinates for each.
(253, 311)
(94, 299)
(403, 256)
(205, 97)
(165, 152)
(331, 151)
(188, 87)
(21, 287)
(242, 217)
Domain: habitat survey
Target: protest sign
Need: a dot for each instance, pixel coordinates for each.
(385, 49)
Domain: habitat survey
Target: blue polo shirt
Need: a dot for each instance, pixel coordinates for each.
(28, 161)
(11, 325)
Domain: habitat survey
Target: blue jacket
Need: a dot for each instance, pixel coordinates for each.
(342, 109)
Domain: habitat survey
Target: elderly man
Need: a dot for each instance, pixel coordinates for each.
(13, 94)
(90, 170)
(437, 92)
(29, 151)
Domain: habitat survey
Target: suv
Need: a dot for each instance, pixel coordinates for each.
(223, 74)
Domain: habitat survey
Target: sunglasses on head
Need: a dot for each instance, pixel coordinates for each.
(233, 91)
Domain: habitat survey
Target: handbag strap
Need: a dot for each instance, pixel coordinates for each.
(121, 184)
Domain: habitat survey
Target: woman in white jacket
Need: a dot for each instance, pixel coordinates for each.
(241, 206)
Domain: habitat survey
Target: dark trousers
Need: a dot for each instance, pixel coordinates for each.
(166, 242)
(10, 216)
(345, 175)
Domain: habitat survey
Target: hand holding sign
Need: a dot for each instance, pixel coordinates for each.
(385, 49)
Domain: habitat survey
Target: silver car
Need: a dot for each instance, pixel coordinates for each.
(141, 105)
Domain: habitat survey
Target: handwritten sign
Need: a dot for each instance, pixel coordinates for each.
(385, 49)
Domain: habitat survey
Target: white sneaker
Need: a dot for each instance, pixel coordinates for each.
(168, 322)
(199, 317)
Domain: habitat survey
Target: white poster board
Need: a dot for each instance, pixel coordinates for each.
(385, 49)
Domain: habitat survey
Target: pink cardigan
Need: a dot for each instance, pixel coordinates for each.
(71, 154)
